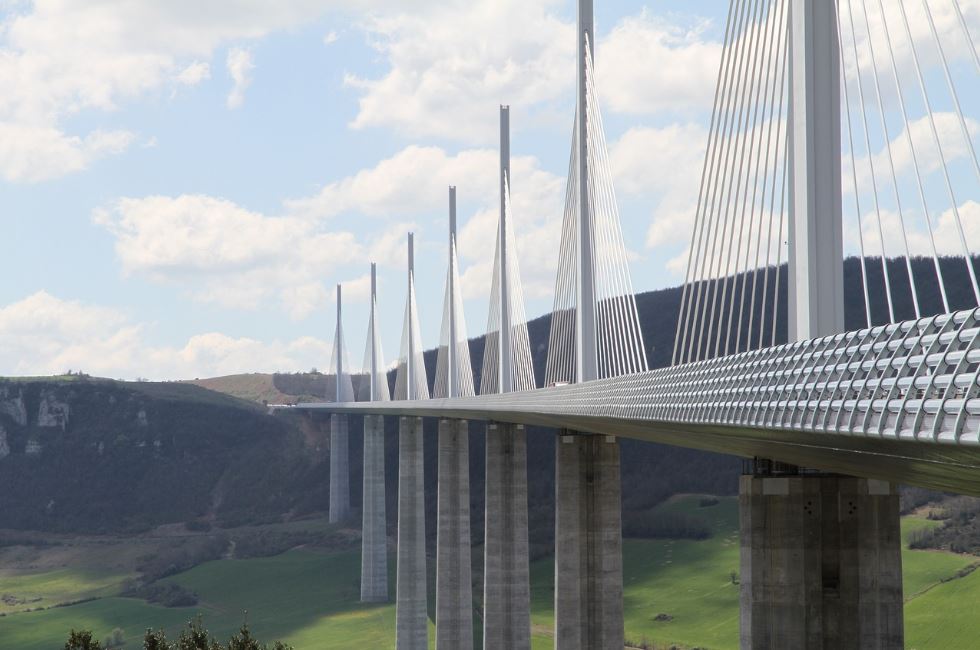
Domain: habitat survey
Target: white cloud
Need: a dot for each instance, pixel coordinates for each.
(945, 231)
(222, 253)
(42, 334)
(648, 65)
(413, 180)
(240, 68)
(61, 57)
(330, 38)
(194, 73)
(873, 33)
(955, 150)
(662, 167)
(451, 66)
(31, 153)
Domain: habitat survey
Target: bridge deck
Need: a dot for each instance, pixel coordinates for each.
(898, 402)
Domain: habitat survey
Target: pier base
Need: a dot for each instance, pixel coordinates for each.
(588, 544)
(506, 587)
(374, 534)
(339, 469)
(454, 579)
(821, 562)
(411, 616)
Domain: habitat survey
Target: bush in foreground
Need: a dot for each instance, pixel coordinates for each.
(194, 637)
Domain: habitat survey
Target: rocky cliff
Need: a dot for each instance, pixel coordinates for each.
(99, 455)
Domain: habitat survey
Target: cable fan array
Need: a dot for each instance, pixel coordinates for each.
(924, 174)
(506, 291)
(456, 360)
(344, 386)
(908, 154)
(732, 276)
(373, 386)
(619, 349)
(411, 381)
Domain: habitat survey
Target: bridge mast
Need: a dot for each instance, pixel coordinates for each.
(816, 241)
(585, 328)
(373, 395)
(409, 380)
(506, 382)
(340, 347)
(451, 371)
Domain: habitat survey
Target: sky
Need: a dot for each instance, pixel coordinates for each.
(183, 184)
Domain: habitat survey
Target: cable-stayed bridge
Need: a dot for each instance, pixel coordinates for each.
(831, 117)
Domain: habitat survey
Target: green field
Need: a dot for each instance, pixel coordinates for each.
(309, 598)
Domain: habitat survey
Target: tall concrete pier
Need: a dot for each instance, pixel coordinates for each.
(339, 469)
(506, 587)
(374, 530)
(454, 378)
(454, 582)
(588, 544)
(374, 537)
(411, 617)
(821, 563)
(507, 367)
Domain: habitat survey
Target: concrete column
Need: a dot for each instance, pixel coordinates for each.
(411, 616)
(339, 469)
(454, 580)
(374, 534)
(506, 586)
(821, 564)
(588, 544)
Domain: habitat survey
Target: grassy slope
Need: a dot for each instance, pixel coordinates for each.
(254, 387)
(309, 598)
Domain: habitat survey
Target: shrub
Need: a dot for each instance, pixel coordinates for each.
(167, 595)
(115, 640)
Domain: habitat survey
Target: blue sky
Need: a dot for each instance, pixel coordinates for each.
(181, 188)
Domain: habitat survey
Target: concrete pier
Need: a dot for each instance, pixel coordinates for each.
(339, 469)
(588, 544)
(454, 580)
(374, 534)
(506, 587)
(411, 616)
(821, 563)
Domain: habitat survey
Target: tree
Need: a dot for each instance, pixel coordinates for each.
(243, 640)
(195, 637)
(155, 640)
(82, 640)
